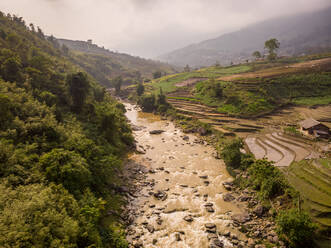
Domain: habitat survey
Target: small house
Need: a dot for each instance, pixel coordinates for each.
(314, 128)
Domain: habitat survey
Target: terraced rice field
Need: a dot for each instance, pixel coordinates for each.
(278, 148)
(219, 121)
(312, 178)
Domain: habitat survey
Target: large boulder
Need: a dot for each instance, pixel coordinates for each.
(241, 218)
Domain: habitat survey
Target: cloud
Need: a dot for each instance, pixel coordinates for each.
(150, 27)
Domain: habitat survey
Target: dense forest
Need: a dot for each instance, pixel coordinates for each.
(62, 141)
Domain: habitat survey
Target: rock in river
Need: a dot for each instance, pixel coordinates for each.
(241, 218)
(156, 131)
(228, 197)
(160, 195)
(188, 218)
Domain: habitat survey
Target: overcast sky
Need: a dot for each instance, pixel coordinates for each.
(149, 28)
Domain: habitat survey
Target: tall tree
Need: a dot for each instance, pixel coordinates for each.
(140, 89)
(78, 87)
(272, 45)
(117, 82)
(187, 68)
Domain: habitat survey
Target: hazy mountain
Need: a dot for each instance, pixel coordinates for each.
(303, 33)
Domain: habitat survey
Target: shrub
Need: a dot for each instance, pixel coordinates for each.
(140, 89)
(266, 178)
(147, 103)
(231, 153)
(66, 167)
(38, 216)
(296, 228)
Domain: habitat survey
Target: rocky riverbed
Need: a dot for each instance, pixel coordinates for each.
(180, 195)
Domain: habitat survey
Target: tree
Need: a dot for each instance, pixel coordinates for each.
(157, 74)
(78, 88)
(231, 153)
(272, 45)
(257, 54)
(140, 89)
(67, 168)
(187, 68)
(117, 82)
(296, 228)
(6, 107)
(32, 27)
(11, 70)
(36, 215)
(147, 103)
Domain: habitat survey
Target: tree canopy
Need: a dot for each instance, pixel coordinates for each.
(62, 140)
(272, 45)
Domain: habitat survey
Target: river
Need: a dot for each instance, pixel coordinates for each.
(180, 199)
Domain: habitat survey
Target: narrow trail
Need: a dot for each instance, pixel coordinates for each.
(181, 201)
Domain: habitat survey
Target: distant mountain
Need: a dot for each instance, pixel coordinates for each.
(303, 33)
(104, 65)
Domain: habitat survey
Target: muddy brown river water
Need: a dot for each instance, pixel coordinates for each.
(183, 180)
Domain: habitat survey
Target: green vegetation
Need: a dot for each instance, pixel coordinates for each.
(266, 178)
(312, 101)
(105, 65)
(168, 83)
(272, 45)
(296, 227)
(292, 131)
(267, 86)
(312, 179)
(263, 175)
(152, 103)
(257, 54)
(231, 153)
(251, 97)
(62, 141)
(293, 226)
(140, 89)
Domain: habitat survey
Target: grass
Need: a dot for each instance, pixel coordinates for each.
(184, 99)
(252, 97)
(325, 162)
(311, 101)
(214, 71)
(168, 83)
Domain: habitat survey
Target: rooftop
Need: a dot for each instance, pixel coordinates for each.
(308, 123)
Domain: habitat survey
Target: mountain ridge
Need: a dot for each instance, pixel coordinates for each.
(303, 33)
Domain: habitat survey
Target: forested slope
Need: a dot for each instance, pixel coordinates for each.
(62, 140)
(105, 65)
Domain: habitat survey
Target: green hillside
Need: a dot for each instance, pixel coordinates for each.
(62, 140)
(253, 89)
(105, 65)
